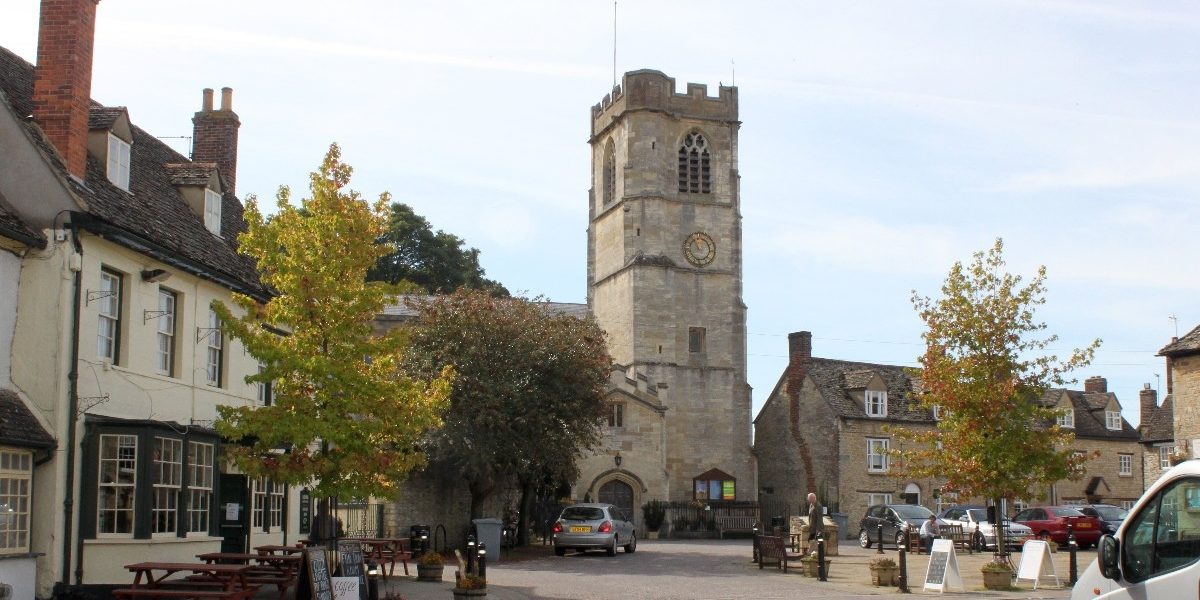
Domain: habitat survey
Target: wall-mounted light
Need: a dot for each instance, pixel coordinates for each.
(155, 275)
(617, 459)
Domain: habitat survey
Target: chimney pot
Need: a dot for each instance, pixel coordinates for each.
(207, 106)
(226, 98)
(215, 137)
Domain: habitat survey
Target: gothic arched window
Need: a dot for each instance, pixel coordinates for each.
(694, 165)
(610, 173)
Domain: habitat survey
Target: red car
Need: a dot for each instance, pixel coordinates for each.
(1050, 523)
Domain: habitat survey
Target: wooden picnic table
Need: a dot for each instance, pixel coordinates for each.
(278, 549)
(385, 551)
(279, 569)
(153, 574)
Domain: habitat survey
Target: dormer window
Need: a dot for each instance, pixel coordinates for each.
(1112, 419)
(212, 211)
(876, 403)
(118, 162)
(1067, 419)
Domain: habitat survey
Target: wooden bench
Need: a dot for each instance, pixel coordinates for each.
(145, 593)
(955, 533)
(773, 549)
(737, 524)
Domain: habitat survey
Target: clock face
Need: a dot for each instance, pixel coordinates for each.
(699, 249)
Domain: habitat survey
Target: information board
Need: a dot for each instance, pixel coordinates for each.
(350, 564)
(305, 511)
(314, 576)
(1036, 562)
(347, 588)
(943, 567)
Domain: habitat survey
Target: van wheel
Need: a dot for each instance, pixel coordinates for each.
(864, 540)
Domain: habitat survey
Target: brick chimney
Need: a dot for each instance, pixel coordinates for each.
(1095, 383)
(62, 80)
(799, 357)
(215, 136)
(1148, 399)
(1170, 366)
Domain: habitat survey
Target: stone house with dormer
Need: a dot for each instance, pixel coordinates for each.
(828, 426)
(1183, 386)
(114, 350)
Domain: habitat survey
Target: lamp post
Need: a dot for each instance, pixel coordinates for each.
(617, 460)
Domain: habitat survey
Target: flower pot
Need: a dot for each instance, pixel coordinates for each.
(997, 580)
(883, 576)
(429, 572)
(810, 567)
(461, 594)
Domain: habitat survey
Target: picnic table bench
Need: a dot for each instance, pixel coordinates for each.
(279, 570)
(773, 549)
(954, 533)
(184, 594)
(386, 551)
(737, 524)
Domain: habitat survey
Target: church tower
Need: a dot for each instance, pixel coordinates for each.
(665, 283)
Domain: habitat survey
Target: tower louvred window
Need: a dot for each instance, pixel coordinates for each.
(695, 165)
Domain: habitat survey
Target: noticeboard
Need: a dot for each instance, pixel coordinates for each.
(350, 564)
(1036, 562)
(314, 576)
(305, 511)
(942, 572)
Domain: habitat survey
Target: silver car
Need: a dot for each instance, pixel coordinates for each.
(983, 533)
(593, 527)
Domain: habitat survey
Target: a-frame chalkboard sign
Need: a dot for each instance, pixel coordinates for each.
(350, 564)
(314, 581)
(1036, 563)
(943, 567)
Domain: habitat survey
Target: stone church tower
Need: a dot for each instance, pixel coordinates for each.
(665, 283)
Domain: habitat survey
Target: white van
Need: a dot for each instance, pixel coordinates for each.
(1156, 551)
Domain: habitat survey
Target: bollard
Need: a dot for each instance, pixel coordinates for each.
(483, 562)
(754, 546)
(470, 554)
(1072, 546)
(879, 536)
(821, 556)
(902, 562)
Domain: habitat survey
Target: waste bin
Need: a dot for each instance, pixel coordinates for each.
(487, 531)
(418, 539)
(843, 524)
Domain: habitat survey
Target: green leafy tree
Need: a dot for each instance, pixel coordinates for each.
(528, 392)
(434, 261)
(984, 365)
(350, 418)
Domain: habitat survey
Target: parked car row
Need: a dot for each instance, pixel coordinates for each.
(1049, 523)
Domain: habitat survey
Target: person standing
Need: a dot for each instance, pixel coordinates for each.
(816, 517)
(929, 531)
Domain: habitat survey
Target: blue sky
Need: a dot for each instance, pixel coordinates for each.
(881, 141)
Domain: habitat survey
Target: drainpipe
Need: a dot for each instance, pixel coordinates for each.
(72, 408)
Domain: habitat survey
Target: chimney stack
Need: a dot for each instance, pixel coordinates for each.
(1170, 366)
(1148, 399)
(62, 80)
(215, 136)
(1095, 384)
(799, 357)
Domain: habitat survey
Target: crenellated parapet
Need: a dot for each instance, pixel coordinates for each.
(648, 89)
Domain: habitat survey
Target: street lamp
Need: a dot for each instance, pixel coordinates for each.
(617, 460)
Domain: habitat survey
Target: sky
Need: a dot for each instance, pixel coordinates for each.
(880, 142)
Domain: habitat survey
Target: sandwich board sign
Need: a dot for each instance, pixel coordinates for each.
(942, 572)
(1036, 562)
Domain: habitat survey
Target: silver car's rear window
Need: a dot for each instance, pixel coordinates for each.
(582, 513)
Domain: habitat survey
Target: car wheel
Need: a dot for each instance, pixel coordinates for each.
(560, 551)
(612, 548)
(980, 545)
(631, 547)
(864, 540)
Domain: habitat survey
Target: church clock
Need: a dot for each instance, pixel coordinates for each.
(699, 249)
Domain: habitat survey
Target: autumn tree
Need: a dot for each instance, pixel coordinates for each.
(528, 394)
(347, 415)
(435, 261)
(985, 366)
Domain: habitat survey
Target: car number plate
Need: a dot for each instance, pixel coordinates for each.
(1084, 525)
(581, 529)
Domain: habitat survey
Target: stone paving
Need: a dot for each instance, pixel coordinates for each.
(669, 569)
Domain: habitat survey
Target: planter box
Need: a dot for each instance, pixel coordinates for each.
(460, 594)
(430, 572)
(810, 567)
(652, 535)
(997, 580)
(882, 576)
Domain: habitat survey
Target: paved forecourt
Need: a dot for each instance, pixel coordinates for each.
(691, 569)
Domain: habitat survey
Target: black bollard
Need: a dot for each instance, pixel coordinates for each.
(470, 553)
(879, 536)
(821, 556)
(903, 564)
(1072, 546)
(483, 562)
(754, 546)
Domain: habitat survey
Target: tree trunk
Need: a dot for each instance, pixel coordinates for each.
(524, 510)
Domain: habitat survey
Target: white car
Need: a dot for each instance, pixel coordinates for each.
(1156, 550)
(983, 533)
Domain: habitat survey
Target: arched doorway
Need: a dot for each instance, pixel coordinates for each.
(912, 494)
(619, 494)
